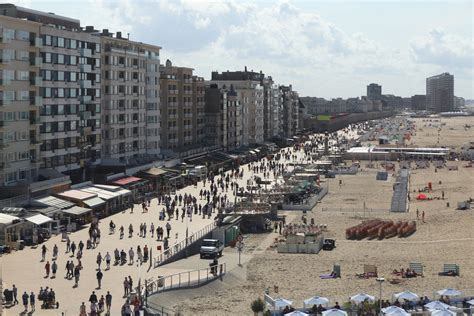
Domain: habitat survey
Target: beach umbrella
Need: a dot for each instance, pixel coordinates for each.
(407, 295)
(362, 297)
(281, 302)
(437, 305)
(391, 309)
(445, 312)
(400, 312)
(449, 292)
(334, 312)
(421, 197)
(471, 302)
(316, 300)
(296, 313)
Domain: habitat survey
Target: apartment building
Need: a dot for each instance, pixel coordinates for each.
(20, 103)
(272, 108)
(60, 106)
(223, 117)
(290, 122)
(130, 101)
(182, 110)
(440, 92)
(250, 93)
(374, 91)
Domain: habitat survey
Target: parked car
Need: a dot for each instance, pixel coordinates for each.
(211, 248)
(329, 244)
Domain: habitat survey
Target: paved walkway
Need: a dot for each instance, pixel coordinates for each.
(26, 271)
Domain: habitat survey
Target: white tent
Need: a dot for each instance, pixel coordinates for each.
(407, 295)
(281, 303)
(437, 312)
(398, 313)
(296, 313)
(391, 309)
(437, 305)
(362, 297)
(334, 312)
(449, 292)
(316, 300)
(470, 302)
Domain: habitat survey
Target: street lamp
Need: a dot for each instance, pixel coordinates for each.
(380, 280)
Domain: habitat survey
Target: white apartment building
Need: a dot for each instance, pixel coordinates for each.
(131, 85)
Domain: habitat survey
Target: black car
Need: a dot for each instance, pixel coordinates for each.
(329, 244)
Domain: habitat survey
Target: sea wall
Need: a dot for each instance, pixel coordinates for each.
(340, 122)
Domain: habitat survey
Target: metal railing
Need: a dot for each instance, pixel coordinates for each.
(188, 279)
(178, 247)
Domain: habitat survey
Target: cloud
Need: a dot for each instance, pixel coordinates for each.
(443, 49)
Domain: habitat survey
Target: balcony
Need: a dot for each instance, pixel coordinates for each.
(188, 115)
(4, 81)
(85, 115)
(36, 81)
(5, 101)
(172, 116)
(86, 68)
(85, 52)
(136, 135)
(85, 84)
(173, 128)
(36, 42)
(85, 98)
(188, 104)
(173, 91)
(36, 61)
(135, 121)
(188, 92)
(121, 136)
(188, 126)
(188, 80)
(172, 104)
(36, 100)
(34, 120)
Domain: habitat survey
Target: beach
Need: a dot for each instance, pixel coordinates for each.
(445, 237)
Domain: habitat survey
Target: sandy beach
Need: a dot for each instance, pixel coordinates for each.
(446, 237)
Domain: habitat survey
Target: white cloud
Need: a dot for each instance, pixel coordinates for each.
(441, 48)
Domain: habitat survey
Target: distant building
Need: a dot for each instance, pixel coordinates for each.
(418, 102)
(392, 101)
(459, 102)
(313, 104)
(182, 110)
(440, 92)
(250, 93)
(291, 111)
(374, 91)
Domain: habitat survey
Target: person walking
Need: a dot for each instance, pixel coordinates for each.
(43, 253)
(93, 297)
(139, 255)
(47, 266)
(81, 246)
(73, 248)
(99, 276)
(82, 310)
(125, 287)
(99, 261)
(131, 254)
(15, 294)
(168, 229)
(54, 268)
(152, 230)
(32, 301)
(423, 216)
(55, 252)
(107, 260)
(77, 274)
(130, 284)
(25, 298)
(108, 301)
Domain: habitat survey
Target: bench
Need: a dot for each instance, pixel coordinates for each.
(451, 267)
(417, 267)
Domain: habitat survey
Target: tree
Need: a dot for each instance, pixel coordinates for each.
(258, 306)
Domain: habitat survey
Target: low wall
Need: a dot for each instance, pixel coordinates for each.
(338, 123)
(300, 248)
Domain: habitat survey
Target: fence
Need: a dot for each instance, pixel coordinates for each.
(168, 254)
(15, 201)
(357, 212)
(181, 280)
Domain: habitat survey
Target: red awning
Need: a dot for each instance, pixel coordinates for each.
(126, 180)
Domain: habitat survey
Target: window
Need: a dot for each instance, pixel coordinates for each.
(11, 176)
(22, 55)
(23, 35)
(72, 93)
(73, 44)
(54, 41)
(23, 155)
(47, 40)
(60, 93)
(24, 135)
(46, 110)
(46, 75)
(73, 77)
(22, 75)
(47, 58)
(60, 59)
(9, 116)
(47, 92)
(72, 60)
(23, 115)
(60, 110)
(23, 175)
(8, 33)
(60, 42)
(60, 76)
(23, 95)
(60, 127)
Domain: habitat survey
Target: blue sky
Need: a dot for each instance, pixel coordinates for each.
(324, 48)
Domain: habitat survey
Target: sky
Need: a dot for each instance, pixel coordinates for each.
(328, 49)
